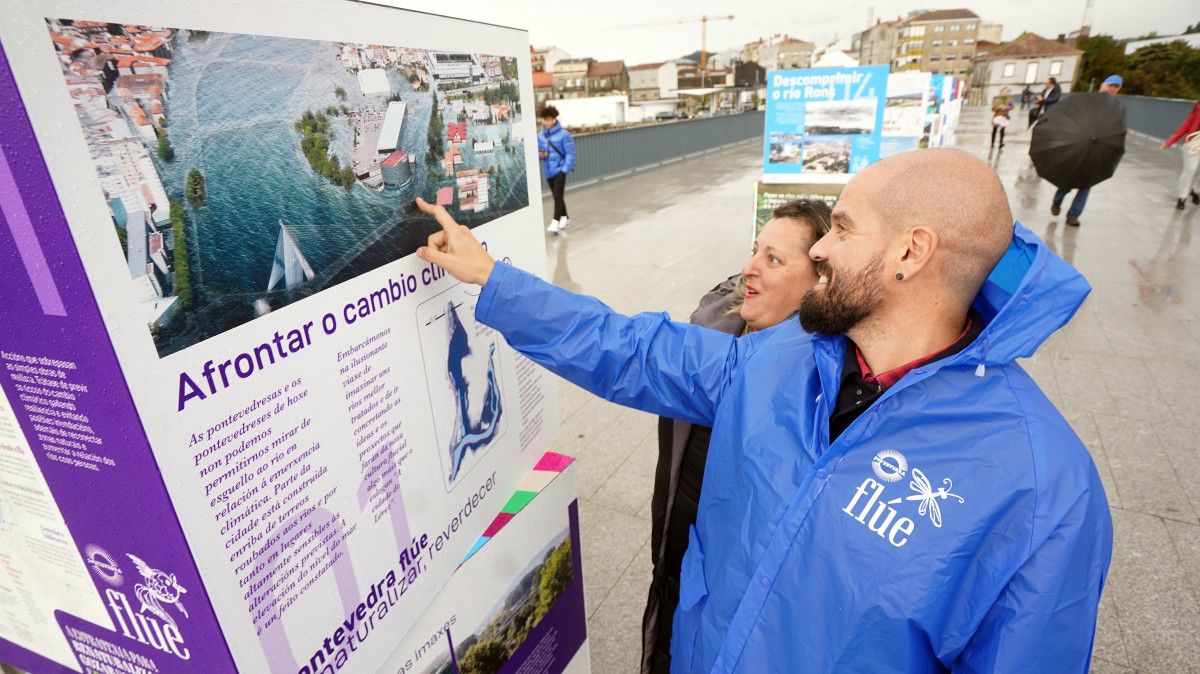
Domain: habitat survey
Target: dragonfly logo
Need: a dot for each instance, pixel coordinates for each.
(869, 504)
(929, 497)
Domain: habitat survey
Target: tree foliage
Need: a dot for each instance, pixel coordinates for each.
(553, 579)
(501, 94)
(123, 237)
(508, 67)
(183, 281)
(165, 151)
(1166, 70)
(193, 187)
(1102, 56)
(435, 135)
(315, 136)
(485, 657)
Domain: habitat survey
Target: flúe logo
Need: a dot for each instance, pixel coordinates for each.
(880, 513)
(151, 624)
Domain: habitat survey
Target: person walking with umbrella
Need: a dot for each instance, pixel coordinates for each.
(1189, 178)
(1079, 145)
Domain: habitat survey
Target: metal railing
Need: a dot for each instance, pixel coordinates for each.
(608, 154)
(1156, 117)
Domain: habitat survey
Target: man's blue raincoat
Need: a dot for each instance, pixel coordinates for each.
(958, 524)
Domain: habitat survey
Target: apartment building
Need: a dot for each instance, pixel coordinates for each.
(941, 41)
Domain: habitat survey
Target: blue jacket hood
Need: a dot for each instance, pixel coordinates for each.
(1029, 295)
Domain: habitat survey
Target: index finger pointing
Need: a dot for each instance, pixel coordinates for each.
(439, 213)
(437, 240)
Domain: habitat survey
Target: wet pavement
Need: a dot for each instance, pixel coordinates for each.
(657, 240)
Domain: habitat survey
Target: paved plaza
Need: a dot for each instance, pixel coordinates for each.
(657, 240)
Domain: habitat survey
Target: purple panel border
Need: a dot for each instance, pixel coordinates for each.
(124, 509)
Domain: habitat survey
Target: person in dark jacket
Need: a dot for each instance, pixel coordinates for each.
(556, 148)
(1049, 96)
(1189, 178)
(767, 292)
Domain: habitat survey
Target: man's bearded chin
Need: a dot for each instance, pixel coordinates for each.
(844, 302)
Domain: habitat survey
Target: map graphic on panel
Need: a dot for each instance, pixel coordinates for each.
(465, 367)
(470, 431)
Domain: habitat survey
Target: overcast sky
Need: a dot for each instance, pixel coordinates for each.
(582, 28)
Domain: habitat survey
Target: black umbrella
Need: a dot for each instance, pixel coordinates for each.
(1080, 140)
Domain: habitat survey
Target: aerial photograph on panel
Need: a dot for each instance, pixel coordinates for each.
(246, 172)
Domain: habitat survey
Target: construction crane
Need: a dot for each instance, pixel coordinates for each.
(1086, 29)
(702, 20)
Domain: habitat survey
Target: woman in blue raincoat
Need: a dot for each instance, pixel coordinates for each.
(767, 292)
(556, 148)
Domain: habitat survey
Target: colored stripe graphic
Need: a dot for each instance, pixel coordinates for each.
(497, 524)
(517, 502)
(547, 468)
(554, 462)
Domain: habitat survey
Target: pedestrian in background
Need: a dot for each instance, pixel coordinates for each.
(1189, 177)
(767, 292)
(556, 148)
(1001, 106)
(1112, 86)
(1050, 95)
(1026, 97)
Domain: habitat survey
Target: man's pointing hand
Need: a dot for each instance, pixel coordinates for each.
(454, 248)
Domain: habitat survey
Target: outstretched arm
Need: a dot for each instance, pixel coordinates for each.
(1182, 131)
(644, 361)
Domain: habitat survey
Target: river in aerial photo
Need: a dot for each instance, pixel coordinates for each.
(233, 102)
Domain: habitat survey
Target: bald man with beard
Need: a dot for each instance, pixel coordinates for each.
(886, 489)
